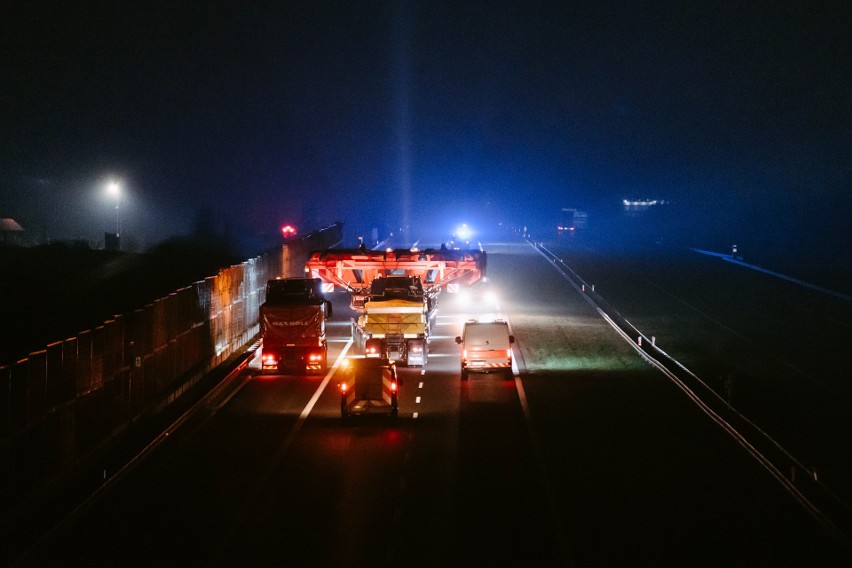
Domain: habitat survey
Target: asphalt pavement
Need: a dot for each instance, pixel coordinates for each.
(589, 457)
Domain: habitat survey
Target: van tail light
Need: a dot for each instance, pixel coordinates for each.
(393, 386)
(509, 354)
(343, 387)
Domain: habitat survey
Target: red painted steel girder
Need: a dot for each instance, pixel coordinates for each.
(355, 268)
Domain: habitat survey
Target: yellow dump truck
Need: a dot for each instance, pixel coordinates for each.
(396, 321)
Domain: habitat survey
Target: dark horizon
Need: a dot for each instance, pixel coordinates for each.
(390, 114)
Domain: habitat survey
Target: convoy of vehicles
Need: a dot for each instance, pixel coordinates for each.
(486, 348)
(292, 323)
(368, 386)
(394, 294)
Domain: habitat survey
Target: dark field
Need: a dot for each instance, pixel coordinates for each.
(776, 350)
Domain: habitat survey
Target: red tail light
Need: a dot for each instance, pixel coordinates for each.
(393, 386)
(343, 387)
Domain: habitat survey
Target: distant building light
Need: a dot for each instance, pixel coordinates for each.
(640, 204)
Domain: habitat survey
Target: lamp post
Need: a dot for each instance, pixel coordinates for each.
(115, 191)
(113, 241)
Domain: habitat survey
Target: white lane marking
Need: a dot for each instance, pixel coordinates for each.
(420, 386)
(415, 415)
(422, 372)
(310, 406)
(417, 400)
(543, 472)
(263, 478)
(522, 396)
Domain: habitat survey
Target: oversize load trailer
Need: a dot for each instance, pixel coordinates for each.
(355, 269)
(396, 293)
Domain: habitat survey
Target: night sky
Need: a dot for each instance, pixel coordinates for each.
(425, 113)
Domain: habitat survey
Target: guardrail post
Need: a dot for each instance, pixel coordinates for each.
(639, 341)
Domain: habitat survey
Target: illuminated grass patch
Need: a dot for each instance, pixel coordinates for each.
(554, 343)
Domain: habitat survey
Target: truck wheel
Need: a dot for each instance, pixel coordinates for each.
(510, 375)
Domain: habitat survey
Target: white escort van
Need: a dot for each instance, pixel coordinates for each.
(486, 348)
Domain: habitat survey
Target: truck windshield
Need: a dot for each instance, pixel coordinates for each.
(393, 288)
(291, 291)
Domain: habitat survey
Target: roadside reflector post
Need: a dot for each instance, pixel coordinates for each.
(654, 340)
(584, 287)
(593, 287)
(640, 341)
(816, 478)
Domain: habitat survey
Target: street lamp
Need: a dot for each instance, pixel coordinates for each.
(115, 191)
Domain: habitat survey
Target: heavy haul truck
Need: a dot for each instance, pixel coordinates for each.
(292, 324)
(395, 293)
(396, 321)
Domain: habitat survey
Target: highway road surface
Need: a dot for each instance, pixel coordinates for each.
(589, 457)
